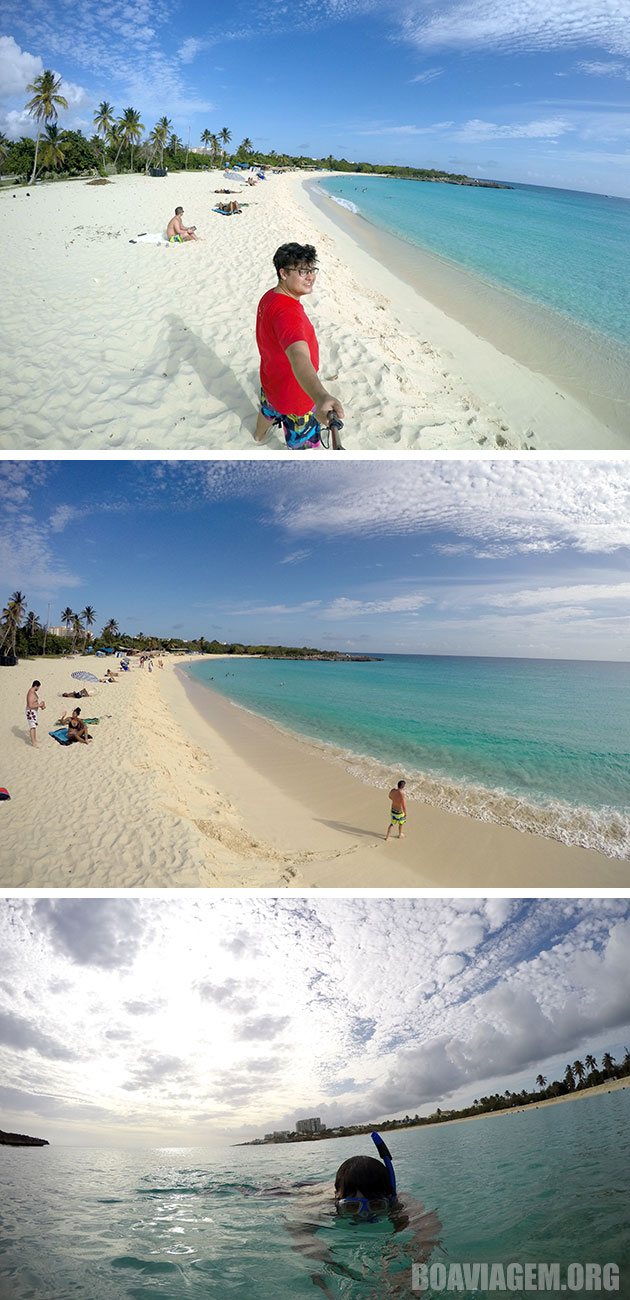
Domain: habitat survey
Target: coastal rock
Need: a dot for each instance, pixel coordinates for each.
(21, 1140)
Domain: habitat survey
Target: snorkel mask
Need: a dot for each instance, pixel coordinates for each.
(370, 1211)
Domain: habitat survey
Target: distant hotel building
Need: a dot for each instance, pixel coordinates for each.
(308, 1126)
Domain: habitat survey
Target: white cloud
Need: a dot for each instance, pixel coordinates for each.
(522, 25)
(189, 49)
(17, 67)
(543, 129)
(548, 596)
(430, 74)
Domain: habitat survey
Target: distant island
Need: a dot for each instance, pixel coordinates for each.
(21, 1140)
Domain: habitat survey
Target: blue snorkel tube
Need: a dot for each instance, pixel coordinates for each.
(386, 1158)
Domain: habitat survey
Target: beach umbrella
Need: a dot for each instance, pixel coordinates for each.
(82, 676)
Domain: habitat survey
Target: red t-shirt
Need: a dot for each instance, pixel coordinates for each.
(281, 321)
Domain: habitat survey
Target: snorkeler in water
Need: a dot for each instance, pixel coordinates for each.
(365, 1193)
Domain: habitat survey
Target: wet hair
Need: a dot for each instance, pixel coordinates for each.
(36, 684)
(365, 1175)
(177, 211)
(401, 785)
(288, 256)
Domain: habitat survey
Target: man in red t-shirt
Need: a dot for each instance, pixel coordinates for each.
(290, 390)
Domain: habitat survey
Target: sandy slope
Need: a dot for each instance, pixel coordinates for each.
(108, 344)
(167, 795)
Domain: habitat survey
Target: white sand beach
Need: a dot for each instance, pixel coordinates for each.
(180, 788)
(116, 345)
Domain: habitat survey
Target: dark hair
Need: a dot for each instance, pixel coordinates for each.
(36, 684)
(77, 710)
(401, 784)
(177, 211)
(362, 1174)
(287, 256)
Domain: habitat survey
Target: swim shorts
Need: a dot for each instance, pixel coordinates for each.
(301, 432)
(31, 717)
(175, 239)
(398, 818)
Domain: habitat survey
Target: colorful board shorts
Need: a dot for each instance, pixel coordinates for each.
(301, 432)
(31, 718)
(398, 818)
(175, 239)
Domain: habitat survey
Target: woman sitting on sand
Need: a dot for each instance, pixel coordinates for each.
(77, 730)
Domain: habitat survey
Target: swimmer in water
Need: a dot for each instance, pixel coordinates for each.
(366, 1193)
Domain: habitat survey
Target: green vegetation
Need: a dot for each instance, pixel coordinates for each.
(578, 1077)
(22, 634)
(118, 144)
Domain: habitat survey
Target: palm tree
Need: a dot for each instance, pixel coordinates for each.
(77, 628)
(67, 616)
(32, 624)
(591, 1063)
(608, 1063)
(578, 1071)
(215, 147)
(12, 616)
(160, 134)
(225, 136)
(4, 148)
(111, 630)
(104, 122)
(52, 148)
(44, 104)
(175, 144)
(568, 1077)
(206, 137)
(245, 147)
(540, 1080)
(130, 128)
(89, 618)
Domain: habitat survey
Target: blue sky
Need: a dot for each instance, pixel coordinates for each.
(103, 1042)
(526, 557)
(536, 91)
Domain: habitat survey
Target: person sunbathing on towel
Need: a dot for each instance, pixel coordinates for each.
(229, 208)
(177, 232)
(77, 730)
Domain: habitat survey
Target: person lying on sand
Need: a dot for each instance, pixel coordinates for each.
(74, 695)
(230, 208)
(77, 730)
(289, 355)
(109, 676)
(226, 191)
(177, 232)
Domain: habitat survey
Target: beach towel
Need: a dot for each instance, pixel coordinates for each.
(4, 794)
(149, 239)
(61, 735)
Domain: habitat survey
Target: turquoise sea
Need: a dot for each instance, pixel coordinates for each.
(542, 745)
(549, 1185)
(562, 249)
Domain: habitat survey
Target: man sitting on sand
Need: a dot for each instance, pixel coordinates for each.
(177, 232)
(398, 815)
(291, 393)
(33, 703)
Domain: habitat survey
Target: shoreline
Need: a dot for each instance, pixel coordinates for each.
(181, 789)
(613, 1085)
(537, 337)
(115, 346)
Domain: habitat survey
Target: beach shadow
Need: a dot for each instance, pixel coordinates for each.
(18, 732)
(181, 345)
(349, 830)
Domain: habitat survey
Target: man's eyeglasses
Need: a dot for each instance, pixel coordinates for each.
(303, 271)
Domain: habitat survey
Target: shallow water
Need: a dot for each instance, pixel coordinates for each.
(549, 1184)
(538, 744)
